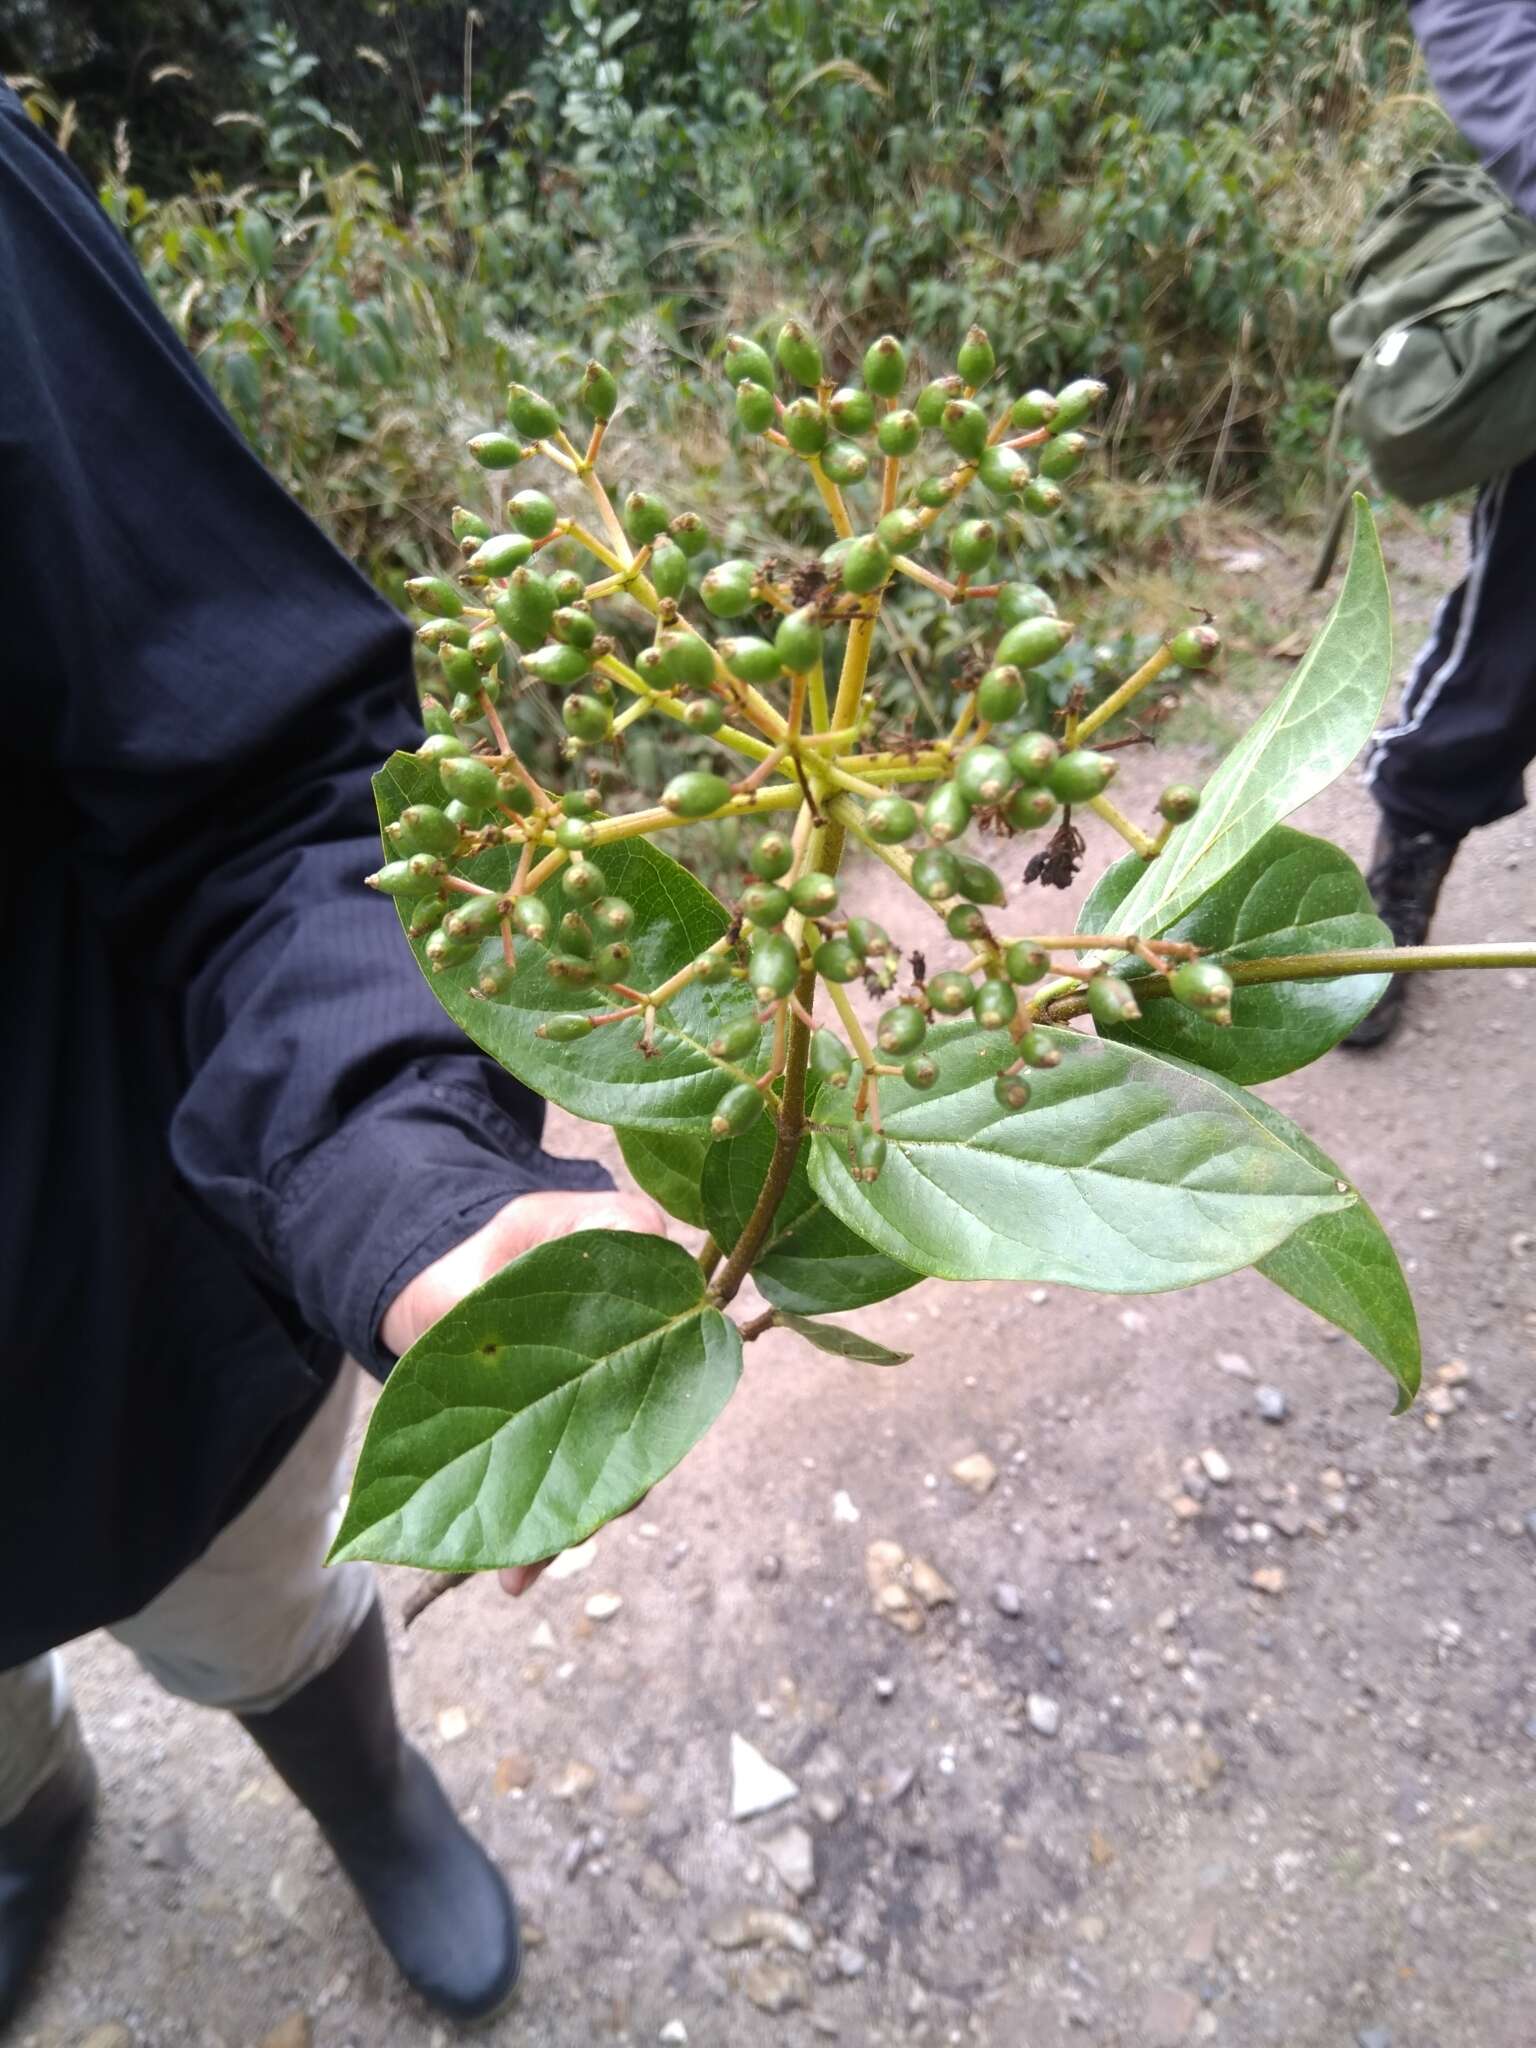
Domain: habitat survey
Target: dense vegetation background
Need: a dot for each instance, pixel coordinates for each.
(366, 216)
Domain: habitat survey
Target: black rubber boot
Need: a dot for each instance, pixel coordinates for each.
(1406, 871)
(441, 1907)
(40, 1852)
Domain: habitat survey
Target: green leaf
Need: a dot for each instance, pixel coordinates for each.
(546, 1403)
(1306, 738)
(605, 1078)
(1293, 894)
(669, 1166)
(811, 1263)
(840, 1342)
(1126, 1173)
(1342, 1266)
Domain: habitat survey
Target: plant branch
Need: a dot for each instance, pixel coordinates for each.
(786, 1145)
(1117, 700)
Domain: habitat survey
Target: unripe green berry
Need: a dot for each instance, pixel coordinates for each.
(964, 426)
(867, 937)
(533, 919)
(831, 1060)
(1034, 409)
(439, 747)
(709, 969)
(900, 529)
(728, 589)
(933, 398)
(566, 586)
(851, 411)
(977, 358)
(1037, 1049)
(469, 781)
(1075, 401)
(573, 936)
(696, 793)
(1195, 647)
(885, 366)
(434, 594)
(486, 646)
(1002, 471)
(645, 517)
(797, 640)
(1206, 986)
(533, 514)
(1033, 755)
(1019, 601)
(946, 813)
(690, 533)
(765, 905)
(805, 426)
(815, 894)
(921, 1071)
(500, 553)
(461, 672)
(736, 1040)
(443, 950)
(558, 663)
(526, 607)
(1033, 641)
(1063, 457)
(472, 917)
(1111, 1001)
(705, 715)
(575, 625)
(950, 993)
(429, 830)
(901, 1030)
(772, 856)
(598, 395)
(745, 359)
(1028, 808)
(935, 492)
(966, 921)
(1025, 963)
(612, 915)
(532, 415)
(737, 1110)
(467, 525)
(668, 569)
(867, 1151)
(999, 694)
(579, 803)
(436, 633)
(751, 659)
(899, 433)
(574, 834)
(492, 980)
(1178, 803)
(867, 565)
(686, 658)
(581, 881)
(1078, 777)
(935, 873)
(1043, 498)
(972, 545)
(1011, 1091)
(571, 970)
(983, 775)
(979, 883)
(836, 960)
(497, 451)
(436, 717)
(843, 462)
(568, 1030)
(407, 879)
(995, 1005)
(773, 967)
(799, 353)
(890, 820)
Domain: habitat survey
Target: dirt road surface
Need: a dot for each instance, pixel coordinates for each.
(1238, 1751)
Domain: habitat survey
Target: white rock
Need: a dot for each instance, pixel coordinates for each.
(1216, 1467)
(1044, 1713)
(1233, 1362)
(570, 1562)
(602, 1606)
(453, 1724)
(843, 1509)
(543, 1637)
(977, 1473)
(792, 1854)
(674, 2033)
(757, 1786)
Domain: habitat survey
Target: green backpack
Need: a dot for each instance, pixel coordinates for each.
(1439, 332)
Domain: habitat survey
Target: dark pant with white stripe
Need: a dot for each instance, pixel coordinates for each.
(1467, 729)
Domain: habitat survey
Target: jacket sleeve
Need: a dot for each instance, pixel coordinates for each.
(200, 687)
(1482, 61)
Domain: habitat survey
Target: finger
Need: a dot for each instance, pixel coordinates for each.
(516, 1579)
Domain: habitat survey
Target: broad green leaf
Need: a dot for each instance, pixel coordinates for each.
(811, 1262)
(1342, 1266)
(1293, 894)
(669, 1166)
(840, 1342)
(1305, 739)
(1126, 1173)
(606, 1077)
(546, 1403)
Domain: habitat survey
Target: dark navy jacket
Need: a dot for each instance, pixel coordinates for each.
(233, 1119)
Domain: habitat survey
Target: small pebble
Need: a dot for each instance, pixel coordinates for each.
(1271, 1404)
(1007, 1599)
(1216, 1467)
(1044, 1713)
(1374, 2037)
(885, 1688)
(603, 1606)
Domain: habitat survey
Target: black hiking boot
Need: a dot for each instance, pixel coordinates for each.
(1406, 871)
(40, 1851)
(439, 1904)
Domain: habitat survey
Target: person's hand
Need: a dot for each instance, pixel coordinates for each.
(523, 1223)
